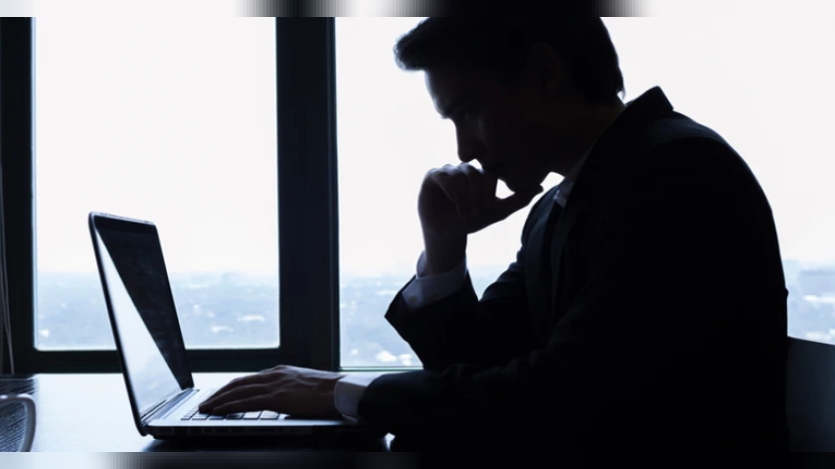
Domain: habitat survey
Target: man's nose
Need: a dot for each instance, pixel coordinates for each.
(469, 148)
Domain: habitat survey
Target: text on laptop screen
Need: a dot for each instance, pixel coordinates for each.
(143, 309)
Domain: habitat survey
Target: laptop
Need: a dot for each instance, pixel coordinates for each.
(151, 349)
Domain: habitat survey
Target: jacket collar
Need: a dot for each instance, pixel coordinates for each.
(604, 160)
(649, 105)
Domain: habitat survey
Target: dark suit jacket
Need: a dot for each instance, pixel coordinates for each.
(650, 315)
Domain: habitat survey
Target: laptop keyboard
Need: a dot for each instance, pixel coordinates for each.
(193, 414)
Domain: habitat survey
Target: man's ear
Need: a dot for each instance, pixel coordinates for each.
(547, 68)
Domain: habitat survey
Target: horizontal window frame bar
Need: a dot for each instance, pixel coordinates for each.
(378, 369)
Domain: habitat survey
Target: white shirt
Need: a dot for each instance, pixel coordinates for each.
(424, 290)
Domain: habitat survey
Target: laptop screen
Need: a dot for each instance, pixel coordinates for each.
(144, 316)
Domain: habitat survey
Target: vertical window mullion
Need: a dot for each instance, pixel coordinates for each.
(307, 191)
(18, 188)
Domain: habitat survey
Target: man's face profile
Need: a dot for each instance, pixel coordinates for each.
(510, 129)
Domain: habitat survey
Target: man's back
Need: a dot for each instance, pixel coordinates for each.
(678, 233)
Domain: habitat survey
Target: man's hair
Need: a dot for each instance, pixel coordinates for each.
(500, 45)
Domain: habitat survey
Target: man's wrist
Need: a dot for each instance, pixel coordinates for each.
(443, 253)
(331, 387)
(425, 289)
(348, 392)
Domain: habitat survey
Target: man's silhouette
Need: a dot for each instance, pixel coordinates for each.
(646, 307)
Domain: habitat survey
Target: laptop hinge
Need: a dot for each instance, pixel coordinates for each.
(165, 403)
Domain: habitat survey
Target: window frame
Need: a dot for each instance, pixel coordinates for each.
(307, 208)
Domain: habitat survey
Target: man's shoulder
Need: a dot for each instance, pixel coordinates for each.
(679, 141)
(679, 129)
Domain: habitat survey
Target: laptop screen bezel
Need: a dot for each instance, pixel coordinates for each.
(107, 221)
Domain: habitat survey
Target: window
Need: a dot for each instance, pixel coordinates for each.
(175, 121)
(168, 120)
(743, 86)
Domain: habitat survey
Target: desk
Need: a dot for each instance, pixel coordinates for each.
(91, 413)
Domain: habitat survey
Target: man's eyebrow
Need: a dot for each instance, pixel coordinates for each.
(454, 105)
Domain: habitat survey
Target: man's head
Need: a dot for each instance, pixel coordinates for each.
(524, 93)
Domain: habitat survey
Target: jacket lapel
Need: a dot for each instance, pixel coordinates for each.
(538, 268)
(610, 151)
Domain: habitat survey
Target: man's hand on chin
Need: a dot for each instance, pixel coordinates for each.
(284, 389)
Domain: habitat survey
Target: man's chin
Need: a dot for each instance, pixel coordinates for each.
(519, 186)
(513, 186)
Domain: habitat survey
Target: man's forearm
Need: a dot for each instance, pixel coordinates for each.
(443, 251)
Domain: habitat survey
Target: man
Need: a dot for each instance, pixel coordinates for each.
(647, 304)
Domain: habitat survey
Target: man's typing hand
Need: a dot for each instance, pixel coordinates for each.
(284, 389)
